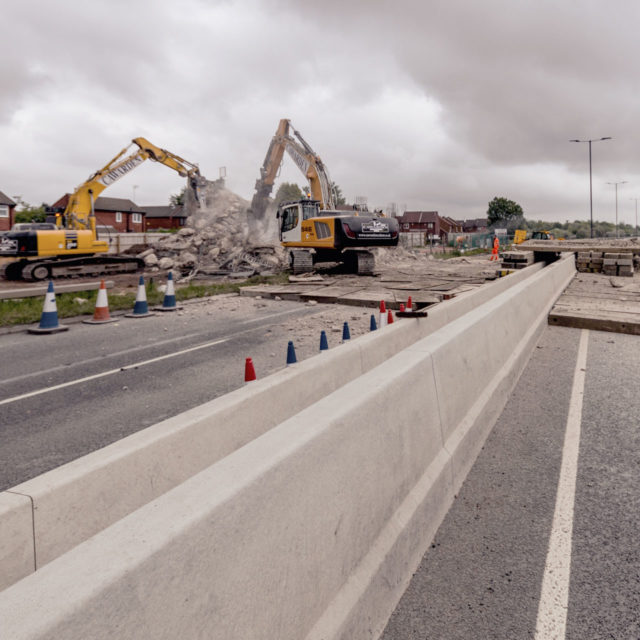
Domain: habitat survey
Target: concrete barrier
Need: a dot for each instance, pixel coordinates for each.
(120, 242)
(77, 500)
(312, 529)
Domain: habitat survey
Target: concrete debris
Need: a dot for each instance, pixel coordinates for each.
(219, 237)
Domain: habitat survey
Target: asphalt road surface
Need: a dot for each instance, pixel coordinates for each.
(500, 543)
(67, 394)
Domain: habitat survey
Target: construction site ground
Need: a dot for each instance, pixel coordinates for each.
(591, 301)
(419, 274)
(598, 301)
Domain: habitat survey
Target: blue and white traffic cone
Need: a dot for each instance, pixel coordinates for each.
(346, 335)
(49, 317)
(324, 345)
(372, 324)
(291, 354)
(169, 302)
(140, 308)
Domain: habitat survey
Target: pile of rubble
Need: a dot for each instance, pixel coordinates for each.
(220, 237)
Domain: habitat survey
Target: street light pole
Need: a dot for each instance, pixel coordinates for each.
(616, 186)
(590, 179)
(636, 199)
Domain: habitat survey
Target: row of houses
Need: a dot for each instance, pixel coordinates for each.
(124, 216)
(436, 227)
(121, 214)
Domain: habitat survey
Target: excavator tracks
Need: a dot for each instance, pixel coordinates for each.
(35, 270)
(301, 262)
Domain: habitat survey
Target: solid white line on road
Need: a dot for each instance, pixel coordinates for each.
(554, 597)
(112, 371)
(150, 345)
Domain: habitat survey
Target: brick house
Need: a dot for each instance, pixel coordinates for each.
(7, 208)
(124, 215)
(425, 221)
(164, 217)
(477, 225)
(448, 226)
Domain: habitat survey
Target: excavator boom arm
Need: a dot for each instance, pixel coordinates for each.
(305, 159)
(79, 210)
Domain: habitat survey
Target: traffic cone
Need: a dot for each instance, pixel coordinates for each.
(249, 371)
(324, 345)
(101, 313)
(49, 317)
(401, 307)
(409, 305)
(140, 308)
(389, 317)
(169, 302)
(383, 314)
(372, 324)
(291, 354)
(346, 335)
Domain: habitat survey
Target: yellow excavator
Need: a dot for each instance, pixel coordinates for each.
(312, 229)
(72, 246)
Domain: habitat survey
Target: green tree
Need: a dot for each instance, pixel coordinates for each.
(288, 191)
(177, 199)
(27, 213)
(502, 210)
(337, 195)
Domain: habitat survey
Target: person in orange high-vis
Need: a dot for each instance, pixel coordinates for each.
(496, 247)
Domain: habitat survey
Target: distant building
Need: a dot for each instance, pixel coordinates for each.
(165, 216)
(7, 209)
(477, 225)
(124, 215)
(449, 226)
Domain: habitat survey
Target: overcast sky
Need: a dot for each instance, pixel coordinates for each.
(433, 105)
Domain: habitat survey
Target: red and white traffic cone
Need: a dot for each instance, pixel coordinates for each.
(409, 308)
(383, 314)
(401, 307)
(101, 313)
(389, 317)
(249, 371)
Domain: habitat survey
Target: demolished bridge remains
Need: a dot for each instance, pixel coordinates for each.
(218, 237)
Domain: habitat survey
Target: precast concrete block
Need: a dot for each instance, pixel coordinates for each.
(78, 499)
(259, 544)
(16, 539)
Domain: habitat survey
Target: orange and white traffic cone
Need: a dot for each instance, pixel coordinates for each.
(101, 313)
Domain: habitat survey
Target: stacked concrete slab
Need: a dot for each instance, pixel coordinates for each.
(312, 528)
(609, 263)
(517, 259)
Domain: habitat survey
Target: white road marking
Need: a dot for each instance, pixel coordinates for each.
(554, 598)
(111, 371)
(102, 358)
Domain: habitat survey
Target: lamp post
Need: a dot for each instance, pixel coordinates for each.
(616, 186)
(636, 199)
(590, 180)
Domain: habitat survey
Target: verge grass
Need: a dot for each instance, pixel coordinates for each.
(78, 303)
